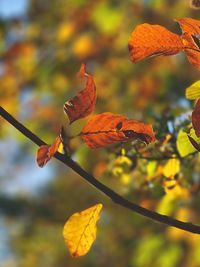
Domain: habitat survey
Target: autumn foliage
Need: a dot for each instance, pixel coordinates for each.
(107, 128)
(102, 129)
(154, 40)
(84, 102)
(111, 90)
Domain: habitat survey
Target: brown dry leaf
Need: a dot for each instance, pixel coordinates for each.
(107, 128)
(196, 118)
(80, 230)
(191, 39)
(83, 103)
(152, 40)
(46, 152)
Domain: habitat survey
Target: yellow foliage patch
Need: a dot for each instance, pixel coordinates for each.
(65, 31)
(84, 46)
(171, 168)
(175, 190)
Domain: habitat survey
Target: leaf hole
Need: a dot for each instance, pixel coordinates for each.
(119, 126)
(195, 38)
(130, 133)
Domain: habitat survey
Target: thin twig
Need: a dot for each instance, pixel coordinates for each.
(189, 227)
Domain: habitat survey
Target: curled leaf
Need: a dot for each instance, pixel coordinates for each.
(46, 152)
(107, 128)
(191, 39)
(80, 230)
(196, 118)
(83, 103)
(153, 40)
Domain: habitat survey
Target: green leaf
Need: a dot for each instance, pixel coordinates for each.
(113, 18)
(193, 91)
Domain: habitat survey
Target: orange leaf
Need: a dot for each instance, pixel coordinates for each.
(196, 118)
(83, 103)
(107, 128)
(80, 230)
(46, 152)
(191, 39)
(153, 40)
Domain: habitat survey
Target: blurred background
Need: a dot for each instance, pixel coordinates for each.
(42, 44)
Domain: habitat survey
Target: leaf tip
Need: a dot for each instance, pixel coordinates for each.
(82, 71)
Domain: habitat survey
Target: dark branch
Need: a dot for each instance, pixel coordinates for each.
(189, 227)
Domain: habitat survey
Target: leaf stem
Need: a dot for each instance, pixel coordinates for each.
(116, 198)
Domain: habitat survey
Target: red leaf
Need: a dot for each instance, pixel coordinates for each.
(191, 39)
(196, 118)
(153, 40)
(46, 152)
(107, 128)
(83, 103)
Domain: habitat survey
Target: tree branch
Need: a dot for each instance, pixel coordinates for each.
(189, 227)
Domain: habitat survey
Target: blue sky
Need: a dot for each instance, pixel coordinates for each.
(24, 176)
(13, 8)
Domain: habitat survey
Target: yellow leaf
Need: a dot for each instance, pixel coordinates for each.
(117, 171)
(193, 91)
(171, 168)
(183, 144)
(175, 190)
(154, 171)
(123, 160)
(125, 179)
(61, 148)
(80, 230)
(166, 205)
(184, 214)
(151, 168)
